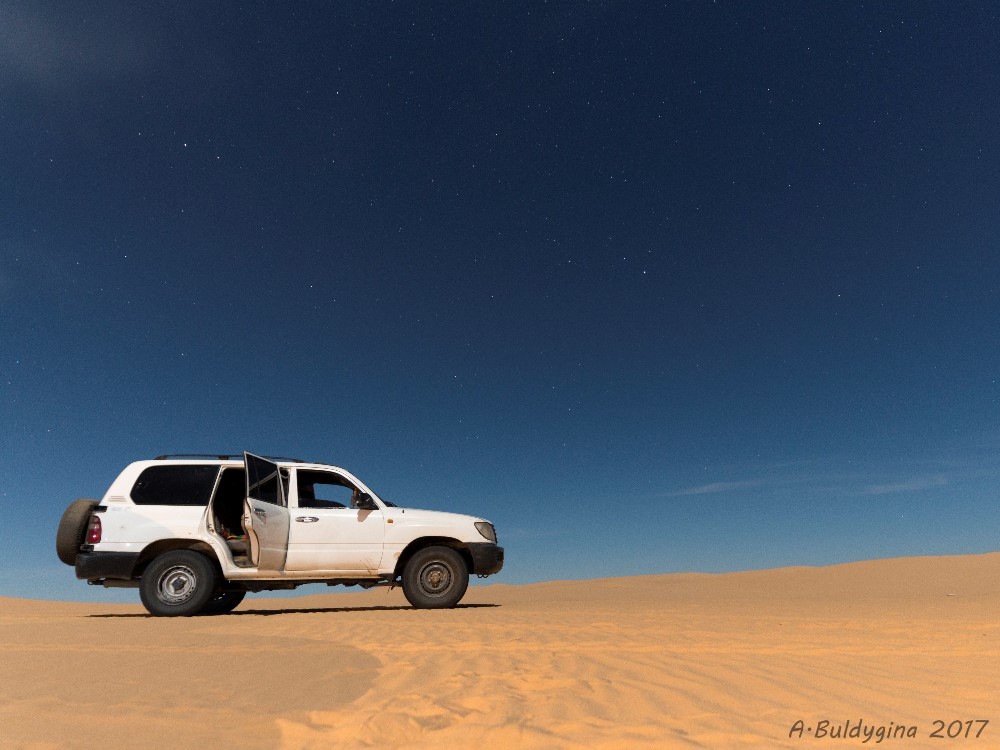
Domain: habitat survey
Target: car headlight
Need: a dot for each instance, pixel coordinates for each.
(487, 530)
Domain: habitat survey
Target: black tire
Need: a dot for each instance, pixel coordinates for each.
(223, 602)
(435, 578)
(72, 527)
(178, 584)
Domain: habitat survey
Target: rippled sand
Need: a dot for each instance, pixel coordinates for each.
(715, 661)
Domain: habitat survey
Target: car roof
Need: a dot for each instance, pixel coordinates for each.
(226, 457)
(237, 460)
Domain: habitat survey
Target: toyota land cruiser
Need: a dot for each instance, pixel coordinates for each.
(195, 533)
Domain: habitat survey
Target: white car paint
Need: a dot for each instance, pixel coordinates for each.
(339, 542)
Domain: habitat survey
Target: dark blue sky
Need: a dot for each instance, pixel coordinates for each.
(699, 287)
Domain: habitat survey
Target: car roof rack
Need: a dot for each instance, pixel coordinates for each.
(220, 456)
(223, 457)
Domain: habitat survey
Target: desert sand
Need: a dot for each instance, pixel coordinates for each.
(692, 660)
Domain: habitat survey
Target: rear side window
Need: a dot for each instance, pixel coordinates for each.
(175, 485)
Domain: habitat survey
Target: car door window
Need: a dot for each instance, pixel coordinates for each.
(265, 481)
(323, 489)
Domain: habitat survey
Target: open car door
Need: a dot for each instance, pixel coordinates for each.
(265, 513)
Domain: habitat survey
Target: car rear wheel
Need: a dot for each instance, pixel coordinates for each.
(223, 602)
(178, 584)
(72, 527)
(435, 578)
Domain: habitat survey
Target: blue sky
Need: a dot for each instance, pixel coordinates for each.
(703, 287)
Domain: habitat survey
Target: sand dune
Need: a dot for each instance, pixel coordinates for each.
(714, 661)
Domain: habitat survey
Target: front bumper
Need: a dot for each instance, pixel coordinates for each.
(487, 558)
(99, 565)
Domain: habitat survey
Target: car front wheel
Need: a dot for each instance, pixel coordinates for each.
(178, 584)
(435, 578)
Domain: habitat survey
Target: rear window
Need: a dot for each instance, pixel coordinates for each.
(175, 485)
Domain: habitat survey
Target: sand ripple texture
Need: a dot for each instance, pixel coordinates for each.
(685, 661)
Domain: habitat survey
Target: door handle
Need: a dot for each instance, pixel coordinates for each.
(259, 512)
(306, 519)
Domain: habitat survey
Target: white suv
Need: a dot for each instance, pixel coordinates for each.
(195, 533)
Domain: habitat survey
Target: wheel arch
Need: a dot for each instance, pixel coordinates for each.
(157, 548)
(432, 541)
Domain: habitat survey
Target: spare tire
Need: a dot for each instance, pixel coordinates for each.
(74, 522)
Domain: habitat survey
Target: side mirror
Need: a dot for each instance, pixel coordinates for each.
(365, 502)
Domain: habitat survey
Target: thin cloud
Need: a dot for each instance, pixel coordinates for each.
(914, 485)
(715, 487)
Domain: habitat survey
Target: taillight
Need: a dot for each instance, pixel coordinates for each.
(94, 530)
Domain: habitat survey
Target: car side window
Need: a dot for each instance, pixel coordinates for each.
(323, 489)
(175, 485)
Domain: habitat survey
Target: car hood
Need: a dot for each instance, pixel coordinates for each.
(431, 517)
